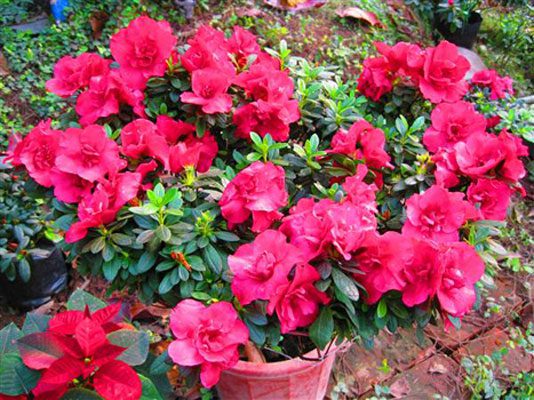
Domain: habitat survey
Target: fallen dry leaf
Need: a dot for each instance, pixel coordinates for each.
(142, 311)
(358, 13)
(248, 12)
(295, 5)
(438, 368)
(400, 388)
(4, 69)
(97, 20)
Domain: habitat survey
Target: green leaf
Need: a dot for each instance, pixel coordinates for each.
(165, 265)
(135, 342)
(111, 269)
(257, 333)
(201, 296)
(24, 270)
(97, 245)
(163, 232)
(35, 322)
(146, 261)
(382, 309)
(345, 284)
(170, 196)
(166, 283)
(322, 329)
(15, 377)
(227, 236)
(213, 258)
(81, 394)
(160, 366)
(8, 338)
(150, 392)
(159, 191)
(81, 298)
(121, 239)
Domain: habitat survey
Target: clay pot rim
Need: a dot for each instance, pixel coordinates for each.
(278, 368)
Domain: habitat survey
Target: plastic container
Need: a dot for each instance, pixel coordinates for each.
(58, 9)
(464, 37)
(294, 379)
(49, 276)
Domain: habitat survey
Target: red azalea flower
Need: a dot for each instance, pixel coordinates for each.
(376, 78)
(101, 207)
(491, 197)
(260, 267)
(74, 73)
(70, 188)
(169, 133)
(349, 224)
(208, 49)
(297, 302)
(461, 268)
(406, 60)
(452, 123)
(437, 214)
(381, 259)
(242, 44)
(443, 74)
(422, 275)
(104, 97)
(193, 152)
(135, 137)
(88, 153)
(482, 156)
(264, 82)
(38, 152)
(206, 336)
(209, 91)
(499, 86)
(447, 271)
(308, 226)
(266, 118)
(362, 194)
(258, 190)
(173, 130)
(142, 49)
(93, 211)
(362, 141)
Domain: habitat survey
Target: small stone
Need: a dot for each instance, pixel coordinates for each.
(474, 59)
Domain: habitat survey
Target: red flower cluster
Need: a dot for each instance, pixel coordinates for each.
(216, 63)
(261, 271)
(499, 86)
(438, 71)
(362, 142)
(78, 349)
(492, 163)
(141, 49)
(103, 89)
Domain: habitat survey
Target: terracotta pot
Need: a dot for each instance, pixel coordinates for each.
(294, 379)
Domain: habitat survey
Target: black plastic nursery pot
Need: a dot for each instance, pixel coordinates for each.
(49, 276)
(464, 37)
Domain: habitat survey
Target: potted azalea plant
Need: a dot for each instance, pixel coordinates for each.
(458, 21)
(32, 267)
(185, 174)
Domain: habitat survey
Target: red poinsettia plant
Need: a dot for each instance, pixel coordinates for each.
(187, 175)
(75, 353)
